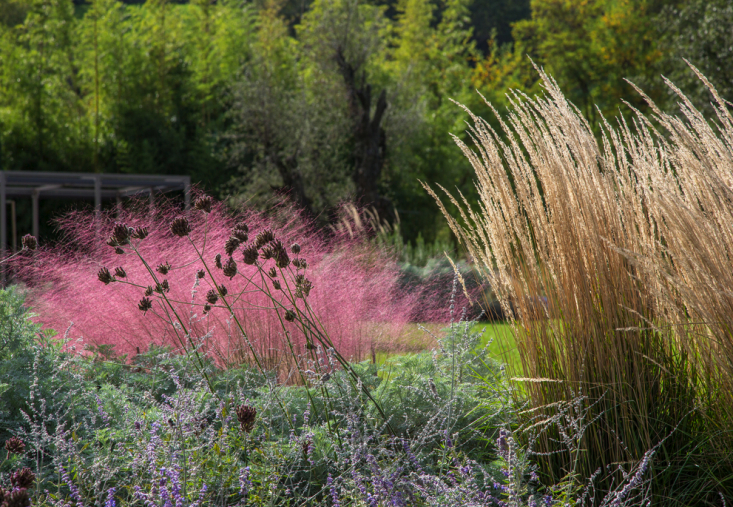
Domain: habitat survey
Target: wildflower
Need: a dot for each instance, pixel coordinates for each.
(162, 287)
(120, 234)
(23, 478)
(276, 285)
(207, 308)
(230, 268)
(231, 245)
(203, 204)
(272, 272)
(217, 261)
(222, 290)
(246, 416)
(250, 254)
(300, 263)
(282, 260)
(200, 273)
(16, 498)
(138, 425)
(268, 252)
(295, 248)
(163, 268)
(120, 273)
(264, 237)
(149, 291)
(180, 227)
(289, 315)
(14, 445)
(29, 242)
(119, 251)
(144, 305)
(240, 232)
(303, 286)
(105, 276)
(140, 233)
(212, 297)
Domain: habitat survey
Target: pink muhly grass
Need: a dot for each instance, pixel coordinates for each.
(354, 296)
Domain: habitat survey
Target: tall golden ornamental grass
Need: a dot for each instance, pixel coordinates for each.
(630, 239)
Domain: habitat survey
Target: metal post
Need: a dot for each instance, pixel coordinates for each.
(187, 193)
(34, 201)
(3, 216)
(13, 225)
(3, 224)
(97, 193)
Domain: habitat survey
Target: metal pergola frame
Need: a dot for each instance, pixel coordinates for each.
(36, 184)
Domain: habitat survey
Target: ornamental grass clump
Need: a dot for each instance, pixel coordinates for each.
(626, 240)
(156, 270)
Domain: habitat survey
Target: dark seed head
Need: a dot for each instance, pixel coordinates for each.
(144, 305)
(264, 237)
(241, 226)
(180, 227)
(300, 263)
(231, 245)
(105, 276)
(272, 272)
(162, 287)
(111, 241)
(203, 204)
(23, 478)
(222, 290)
(29, 242)
(149, 291)
(282, 260)
(200, 273)
(212, 297)
(250, 254)
(18, 497)
(163, 268)
(295, 248)
(276, 285)
(140, 232)
(119, 251)
(120, 273)
(240, 232)
(14, 445)
(207, 308)
(121, 233)
(246, 416)
(217, 261)
(230, 268)
(289, 315)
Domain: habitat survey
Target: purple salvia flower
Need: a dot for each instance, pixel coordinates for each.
(110, 498)
(448, 441)
(74, 491)
(100, 408)
(334, 493)
(244, 482)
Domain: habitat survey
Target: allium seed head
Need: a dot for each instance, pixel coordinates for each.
(246, 416)
(264, 237)
(203, 204)
(212, 297)
(105, 276)
(231, 245)
(14, 445)
(295, 248)
(163, 268)
(120, 273)
(29, 242)
(217, 261)
(250, 254)
(200, 273)
(230, 268)
(144, 305)
(180, 227)
(23, 478)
